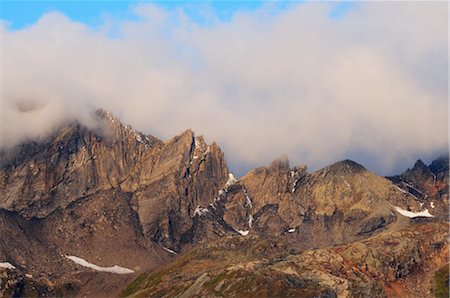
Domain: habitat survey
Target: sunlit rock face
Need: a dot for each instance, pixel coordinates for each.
(116, 198)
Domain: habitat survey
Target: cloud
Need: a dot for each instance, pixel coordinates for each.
(370, 85)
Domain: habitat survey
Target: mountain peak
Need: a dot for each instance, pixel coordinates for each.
(420, 168)
(346, 166)
(112, 126)
(440, 164)
(280, 164)
(420, 165)
(106, 115)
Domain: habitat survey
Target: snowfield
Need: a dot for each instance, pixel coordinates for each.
(6, 265)
(243, 233)
(410, 214)
(114, 269)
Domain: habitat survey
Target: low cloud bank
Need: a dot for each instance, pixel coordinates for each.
(371, 85)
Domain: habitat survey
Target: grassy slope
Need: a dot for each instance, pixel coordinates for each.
(253, 266)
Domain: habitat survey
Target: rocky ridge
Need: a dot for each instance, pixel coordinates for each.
(428, 184)
(112, 195)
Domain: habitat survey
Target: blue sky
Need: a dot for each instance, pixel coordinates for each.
(20, 14)
(23, 13)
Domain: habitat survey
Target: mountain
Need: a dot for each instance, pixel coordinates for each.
(107, 195)
(394, 264)
(109, 198)
(428, 184)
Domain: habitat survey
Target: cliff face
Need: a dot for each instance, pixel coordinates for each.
(338, 204)
(112, 195)
(428, 185)
(164, 181)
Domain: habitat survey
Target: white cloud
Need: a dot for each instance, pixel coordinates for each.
(372, 84)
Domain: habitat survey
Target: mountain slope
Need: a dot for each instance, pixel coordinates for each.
(428, 184)
(389, 264)
(115, 197)
(110, 195)
(338, 204)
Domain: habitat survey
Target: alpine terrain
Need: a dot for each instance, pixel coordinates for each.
(107, 211)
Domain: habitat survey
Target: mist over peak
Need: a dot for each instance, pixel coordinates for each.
(371, 86)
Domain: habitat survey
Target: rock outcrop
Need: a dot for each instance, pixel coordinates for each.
(428, 185)
(108, 194)
(338, 204)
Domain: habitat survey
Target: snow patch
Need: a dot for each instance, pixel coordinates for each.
(7, 265)
(139, 138)
(243, 233)
(169, 250)
(231, 180)
(410, 214)
(412, 187)
(432, 205)
(294, 187)
(114, 269)
(405, 192)
(291, 230)
(200, 146)
(248, 201)
(200, 211)
(223, 192)
(250, 220)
